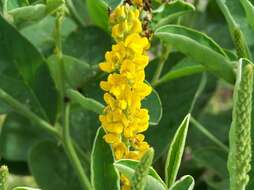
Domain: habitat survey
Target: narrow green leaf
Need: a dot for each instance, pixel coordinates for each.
(240, 132)
(103, 174)
(151, 183)
(200, 47)
(142, 170)
(168, 12)
(185, 183)
(84, 102)
(175, 152)
(4, 177)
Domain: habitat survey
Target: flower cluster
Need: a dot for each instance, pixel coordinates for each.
(124, 119)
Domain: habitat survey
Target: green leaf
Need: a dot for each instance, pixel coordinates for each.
(98, 12)
(51, 168)
(151, 183)
(40, 33)
(153, 104)
(133, 164)
(103, 174)
(30, 13)
(175, 152)
(83, 44)
(185, 183)
(84, 102)
(168, 12)
(200, 47)
(24, 74)
(17, 137)
(27, 14)
(79, 11)
(76, 72)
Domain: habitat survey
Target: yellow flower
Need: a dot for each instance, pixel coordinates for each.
(112, 138)
(136, 43)
(125, 183)
(120, 150)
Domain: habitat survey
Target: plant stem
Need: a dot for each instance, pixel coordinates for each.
(23, 110)
(172, 75)
(59, 55)
(71, 153)
(163, 58)
(207, 133)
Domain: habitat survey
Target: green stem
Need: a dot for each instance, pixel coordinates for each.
(71, 153)
(199, 91)
(163, 59)
(59, 55)
(20, 108)
(207, 133)
(186, 71)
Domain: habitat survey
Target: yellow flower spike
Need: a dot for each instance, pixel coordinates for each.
(124, 118)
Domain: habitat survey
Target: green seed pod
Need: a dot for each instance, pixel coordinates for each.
(138, 179)
(3, 177)
(240, 132)
(240, 44)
